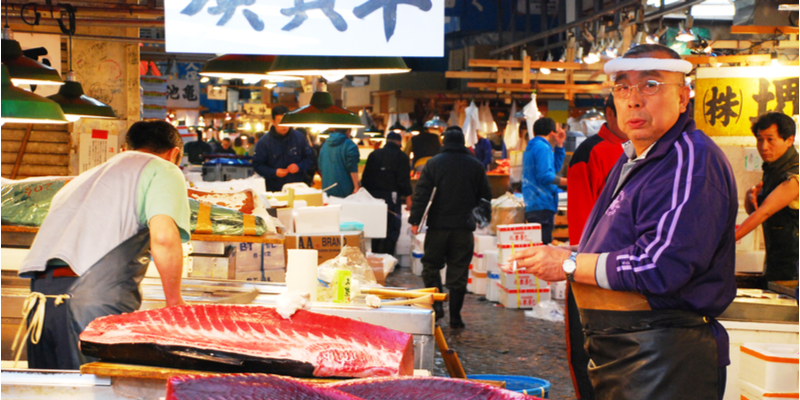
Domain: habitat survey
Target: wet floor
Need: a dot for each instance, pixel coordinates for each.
(502, 341)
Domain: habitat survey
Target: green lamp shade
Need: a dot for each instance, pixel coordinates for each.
(22, 107)
(77, 105)
(324, 65)
(241, 66)
(321, 112)
(25, 71)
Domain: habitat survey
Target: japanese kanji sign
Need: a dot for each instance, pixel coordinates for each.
(412, 28)
(728, 100)
(183, 93)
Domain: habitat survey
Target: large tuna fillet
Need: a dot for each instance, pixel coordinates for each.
(239, 338)
(248, 386)
(428, 388)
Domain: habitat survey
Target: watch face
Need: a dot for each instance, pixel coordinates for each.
(569, 266)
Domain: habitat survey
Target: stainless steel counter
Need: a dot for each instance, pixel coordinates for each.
(418, 322)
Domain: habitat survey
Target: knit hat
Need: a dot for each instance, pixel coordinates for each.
(453, 134)
(394, 136)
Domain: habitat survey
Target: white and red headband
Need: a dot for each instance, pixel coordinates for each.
(621, 64)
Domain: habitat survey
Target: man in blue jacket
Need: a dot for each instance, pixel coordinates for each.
(283, 154)
(540, 162)
(655, 264)
(338, 164)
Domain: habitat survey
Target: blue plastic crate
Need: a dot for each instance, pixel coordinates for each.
(521, 384)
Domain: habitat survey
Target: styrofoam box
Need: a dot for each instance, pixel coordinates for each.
(404, 260)
(490, 261)
(519, 233)
(748, 242)
(477, 282)
(773, 367)
(748, 391)
(750, 261)
(492, 290)
(477, 262)
(558, 290)
(316, 219)
(526, 281)
(528, 298)
(504, 250)
(373, 216)
(484, 243)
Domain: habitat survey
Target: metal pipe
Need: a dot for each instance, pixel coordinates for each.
(117, 22)
(571, 25)
(98, 37)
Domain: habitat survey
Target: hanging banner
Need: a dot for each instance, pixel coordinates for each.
(408, 28)
(729, 100)
(154, 97)
(183, 93)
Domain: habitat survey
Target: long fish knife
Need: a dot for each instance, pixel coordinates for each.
(238, 298)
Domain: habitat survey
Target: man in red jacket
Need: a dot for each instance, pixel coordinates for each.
(588, 170)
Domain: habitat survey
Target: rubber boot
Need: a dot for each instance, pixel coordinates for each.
(456, 303)
(434, 279)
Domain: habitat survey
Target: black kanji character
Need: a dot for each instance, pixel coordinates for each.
(389, 11)
(299, 13)
(786, 91)
(172, 92)
(721, 106)
(188, 93)
(227, 8)
(763, 97)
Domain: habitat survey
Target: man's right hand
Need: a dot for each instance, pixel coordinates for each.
(280, 172)
(293, 168)
(414, 229)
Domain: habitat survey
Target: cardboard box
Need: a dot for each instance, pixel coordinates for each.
(270, 275)
(327, 245)
(519, 233)
(215, 266)
(506, 216)
(311, 199)
(528, 298)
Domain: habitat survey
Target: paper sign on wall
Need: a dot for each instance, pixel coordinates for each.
(183, 93)
(412, 28)
(96, 148)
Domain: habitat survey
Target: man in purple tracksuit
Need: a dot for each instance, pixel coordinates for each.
(655, 264)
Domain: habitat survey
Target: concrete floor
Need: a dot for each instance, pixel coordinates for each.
(502, 341)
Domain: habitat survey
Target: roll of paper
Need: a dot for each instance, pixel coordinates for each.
(301, 272)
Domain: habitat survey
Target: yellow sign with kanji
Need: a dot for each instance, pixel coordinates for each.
(728, 101)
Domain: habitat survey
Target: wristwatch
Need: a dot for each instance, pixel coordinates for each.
(570, 265)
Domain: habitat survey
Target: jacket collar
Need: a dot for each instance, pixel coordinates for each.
(606, 134)
(455, 148)
(684, 124)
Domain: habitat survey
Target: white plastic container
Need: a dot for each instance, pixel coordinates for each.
(772, 367)
(416, 263)
(748, 391)
(750, 261)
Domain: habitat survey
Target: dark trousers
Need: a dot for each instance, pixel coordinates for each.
(57, 346)
(393, 223)
(576, 354)
(453, 248)
(547, 219)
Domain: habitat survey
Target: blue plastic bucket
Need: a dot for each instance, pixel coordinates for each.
(522, 384)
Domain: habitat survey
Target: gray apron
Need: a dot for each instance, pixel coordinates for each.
(111, 286)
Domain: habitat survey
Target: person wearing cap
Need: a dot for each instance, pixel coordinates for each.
(588, 169)
(283, 155)
(773, 201)
(387, 176)
(655, 264)
(424, 145)
(461, 187)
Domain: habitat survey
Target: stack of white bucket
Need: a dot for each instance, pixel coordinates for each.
(518, 290)
(478, 271)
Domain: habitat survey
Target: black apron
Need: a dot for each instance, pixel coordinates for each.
(780, 230)
(111, 286)
(665, 354)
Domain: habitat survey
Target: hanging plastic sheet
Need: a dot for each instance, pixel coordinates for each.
(471, 125)
(531, 112)
(511, 135)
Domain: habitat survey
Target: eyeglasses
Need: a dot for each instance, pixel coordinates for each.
(645, 88)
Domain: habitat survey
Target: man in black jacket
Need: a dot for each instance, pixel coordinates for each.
(423, 146)
(387, 176)
(461, 186)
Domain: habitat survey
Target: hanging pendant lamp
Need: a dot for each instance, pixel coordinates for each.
(23, 107)
(322, 113)
(74, 103)
(327, 65)
(242, 66)
(23, 70)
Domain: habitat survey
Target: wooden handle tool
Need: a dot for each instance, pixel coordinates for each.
(404, 293)
(424, 300)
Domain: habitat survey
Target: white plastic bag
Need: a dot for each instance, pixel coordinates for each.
(547, 310)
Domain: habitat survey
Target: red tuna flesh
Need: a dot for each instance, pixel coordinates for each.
(428, 388)
(247, 338)
(248, 386)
